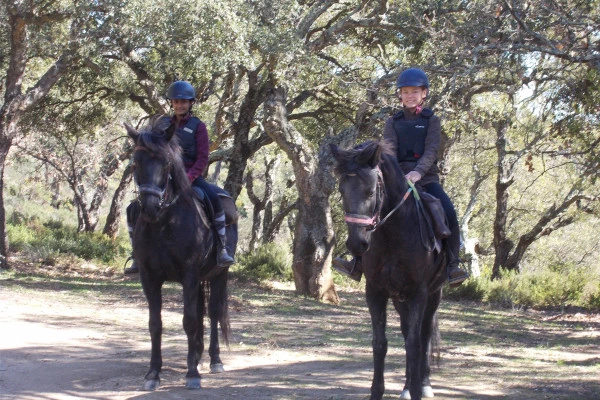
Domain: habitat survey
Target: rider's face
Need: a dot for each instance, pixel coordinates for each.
(181, 107)
(412, 96)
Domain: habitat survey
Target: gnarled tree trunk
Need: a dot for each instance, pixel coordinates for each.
(314, 235)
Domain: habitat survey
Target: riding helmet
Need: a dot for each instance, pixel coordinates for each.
(413, 77)
(181, 90)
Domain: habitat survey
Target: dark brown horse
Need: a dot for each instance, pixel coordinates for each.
(173, 241)
(386, 230)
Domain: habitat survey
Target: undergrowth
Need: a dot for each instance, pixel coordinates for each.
(51, 242)
(551, 287)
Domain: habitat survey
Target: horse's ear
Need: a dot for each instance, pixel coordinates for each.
(370, 155)
(131, 131)
(376, 158)
(170, 131)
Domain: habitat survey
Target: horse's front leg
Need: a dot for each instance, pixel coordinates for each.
(428, 331)
(377, 303)
(191, 286)
(217, 311)
(152, 290)
(412, 321)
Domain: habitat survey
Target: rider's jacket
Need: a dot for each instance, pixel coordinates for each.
(411, 134)
(187, 139)
(193, 139)
(415, 139)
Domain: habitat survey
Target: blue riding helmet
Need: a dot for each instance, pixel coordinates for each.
(181, 90)
(413, 77)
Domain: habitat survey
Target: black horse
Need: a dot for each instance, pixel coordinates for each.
(398, 260)
(173, 241)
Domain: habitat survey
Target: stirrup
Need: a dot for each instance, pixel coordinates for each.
(460, 275)
(344, 267)
(133, 268)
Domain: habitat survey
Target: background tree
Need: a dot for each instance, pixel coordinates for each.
(43, 41)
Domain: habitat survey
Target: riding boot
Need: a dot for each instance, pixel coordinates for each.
(223, 258)
(352, 268)
(133, 268)
(456, 275)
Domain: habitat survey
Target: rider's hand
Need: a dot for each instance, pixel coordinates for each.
(413, 176)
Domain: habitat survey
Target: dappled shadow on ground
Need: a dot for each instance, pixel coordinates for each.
(65, 338)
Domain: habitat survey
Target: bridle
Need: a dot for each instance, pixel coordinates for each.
(363, 220)
(373, 222)
(154, 190)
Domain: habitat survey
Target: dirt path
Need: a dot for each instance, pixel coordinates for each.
(84, 339)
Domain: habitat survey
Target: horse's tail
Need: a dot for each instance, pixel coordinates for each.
(218, 304)
(435, 342)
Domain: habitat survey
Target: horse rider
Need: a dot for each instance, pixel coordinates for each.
(193, 138)
(415, 135)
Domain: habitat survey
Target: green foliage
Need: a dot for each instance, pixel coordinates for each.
(268, 262)
(46, 241)
(471, 289)
(555, 287)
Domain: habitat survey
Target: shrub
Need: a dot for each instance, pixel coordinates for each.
(46, 241)
(556, 286)
(265, 263)
(472, 289)
(590, 295)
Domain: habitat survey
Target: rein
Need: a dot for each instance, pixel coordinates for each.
(408, 192)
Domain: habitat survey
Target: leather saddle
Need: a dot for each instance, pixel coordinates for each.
(231, 213)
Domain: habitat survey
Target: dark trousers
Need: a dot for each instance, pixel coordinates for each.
(435, 189)
(210, 193)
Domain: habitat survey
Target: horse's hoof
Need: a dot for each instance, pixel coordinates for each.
(151, 384)
(192, 383)
(428, 392)
(217, 368)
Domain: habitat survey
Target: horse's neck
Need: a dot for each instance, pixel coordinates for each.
(395, 186)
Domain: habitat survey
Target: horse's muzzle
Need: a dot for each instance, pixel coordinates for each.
(150, 207)
(358, 240)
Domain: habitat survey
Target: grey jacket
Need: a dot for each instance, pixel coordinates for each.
(427, 163)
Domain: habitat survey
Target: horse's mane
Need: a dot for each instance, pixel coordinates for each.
(153, 138)
(361, 160)
(370, 152)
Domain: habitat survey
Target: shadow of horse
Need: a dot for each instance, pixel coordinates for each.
(398, 259)
(173, 241)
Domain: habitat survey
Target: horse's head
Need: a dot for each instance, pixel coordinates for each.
(361, 190)
(157, 162)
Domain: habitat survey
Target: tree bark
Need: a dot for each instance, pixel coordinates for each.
(243, 148)
(314, 235)
(504, 179)
(111, 227)
(4, 148)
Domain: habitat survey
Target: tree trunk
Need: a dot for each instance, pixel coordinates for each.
(314, 236)
(504, 179)
(4, 148)
(243, 149)
(271, 225)
(111, 227)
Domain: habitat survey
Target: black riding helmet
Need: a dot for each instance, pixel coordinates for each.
(413, 77)
(181, 90)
